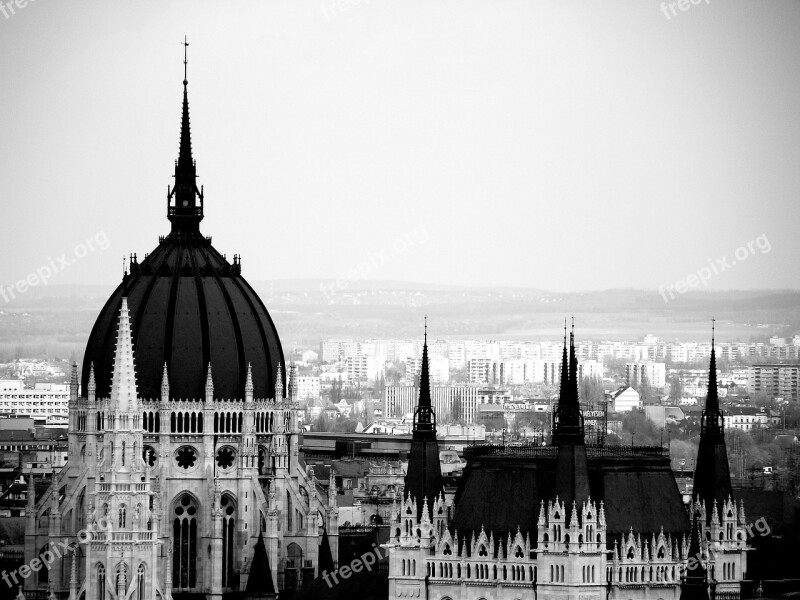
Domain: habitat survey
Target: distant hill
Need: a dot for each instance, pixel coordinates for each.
(59, 318)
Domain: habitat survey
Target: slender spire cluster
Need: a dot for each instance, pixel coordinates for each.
(568, 426)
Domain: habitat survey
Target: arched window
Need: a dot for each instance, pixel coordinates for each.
(184, 543)
(101, 582)
(140, 586)
(122, 517)
(123, 454)
(122, 577)
(228, 530)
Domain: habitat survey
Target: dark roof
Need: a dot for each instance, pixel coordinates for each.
(712, 477)
(260, 579)
(501, 489)
(364, 585)
(326, 563)
(12, 531)
(424, 475)
(189, 306)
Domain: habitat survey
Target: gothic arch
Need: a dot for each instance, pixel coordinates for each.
(228, 505)
(185, 527)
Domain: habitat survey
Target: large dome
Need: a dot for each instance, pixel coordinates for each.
(189, 307)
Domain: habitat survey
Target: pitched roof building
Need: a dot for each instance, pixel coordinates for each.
(568, 520)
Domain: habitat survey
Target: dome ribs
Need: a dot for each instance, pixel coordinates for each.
(169, 329)
(148, 290)
(241, 367)
(198, 282)
(246, 291)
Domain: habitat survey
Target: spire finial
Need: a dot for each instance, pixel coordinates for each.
(185, 60)
(712, 330)
(426, 329)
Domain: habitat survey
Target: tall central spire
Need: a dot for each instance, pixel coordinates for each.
(712, 477)
(424, 475)
(185, 213)
(711, 419)
(424, 419)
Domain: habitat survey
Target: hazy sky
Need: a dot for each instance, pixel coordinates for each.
(561, 145)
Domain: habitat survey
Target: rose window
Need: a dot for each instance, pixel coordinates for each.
(225, 457)
(186, 457)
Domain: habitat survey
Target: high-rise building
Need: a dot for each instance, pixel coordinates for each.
(777, 381)
(654, 373)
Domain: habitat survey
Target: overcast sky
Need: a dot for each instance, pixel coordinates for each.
(561, 145)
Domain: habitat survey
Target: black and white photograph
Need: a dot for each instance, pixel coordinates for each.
(400, 299)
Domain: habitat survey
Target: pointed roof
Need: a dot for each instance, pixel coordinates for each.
(123, 378)
(695, 583)
(712, 477)
(326, 563)
(279, 384)
(424, 418)
(209, 381)
(165, 381)
(568, 426)
(572, 468)
(424, 475)
(260, 579)
(248, 384)
(185, 214)
(91, 386)
(712, 416)
(564, 382)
